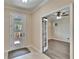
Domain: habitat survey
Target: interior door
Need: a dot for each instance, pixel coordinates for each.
(44, 34)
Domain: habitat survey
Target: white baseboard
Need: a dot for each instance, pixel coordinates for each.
(16, 48)
(60, 40)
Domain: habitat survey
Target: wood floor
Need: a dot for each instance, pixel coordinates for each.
(58, 50)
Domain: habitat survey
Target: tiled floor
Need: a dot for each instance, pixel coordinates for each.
(32, 55)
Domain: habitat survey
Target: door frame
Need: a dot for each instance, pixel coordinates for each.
(71, 26)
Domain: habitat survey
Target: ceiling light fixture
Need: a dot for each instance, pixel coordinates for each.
(58, 15)
(24, 1)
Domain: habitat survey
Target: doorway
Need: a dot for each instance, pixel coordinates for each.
(57, 37)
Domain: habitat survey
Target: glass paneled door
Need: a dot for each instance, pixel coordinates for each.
(44, 35)
(17, 30)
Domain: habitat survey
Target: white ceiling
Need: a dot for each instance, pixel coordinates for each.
(30, 5)
(53, 16)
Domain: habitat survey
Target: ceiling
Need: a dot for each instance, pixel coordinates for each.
(53, 16)
(30, 5)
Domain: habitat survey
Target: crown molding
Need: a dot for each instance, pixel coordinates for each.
(39, 6)
(9, 6)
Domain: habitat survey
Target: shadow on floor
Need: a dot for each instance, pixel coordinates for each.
(18, 52)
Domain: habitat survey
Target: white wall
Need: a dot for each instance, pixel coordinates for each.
(62, 30)
(7, 27)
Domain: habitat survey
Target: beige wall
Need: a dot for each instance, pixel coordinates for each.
(36, 20)
(50, 29)
(7, 15)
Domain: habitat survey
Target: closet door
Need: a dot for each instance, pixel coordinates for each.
(44, 34)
